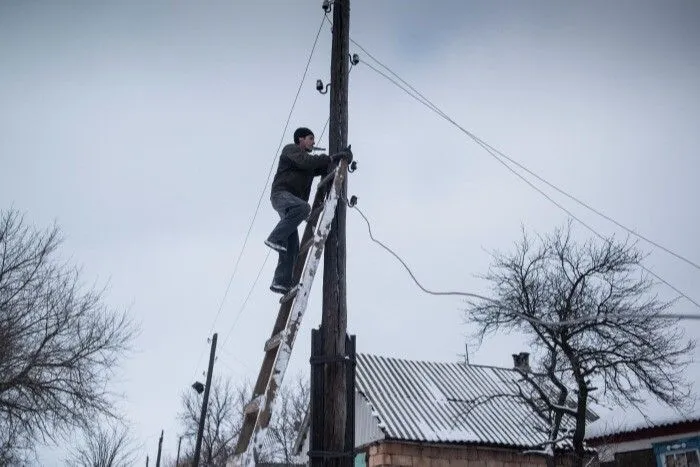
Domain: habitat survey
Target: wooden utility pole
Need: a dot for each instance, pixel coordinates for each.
(205, 402)
(334, 318)
(177, 459)
(160, 447)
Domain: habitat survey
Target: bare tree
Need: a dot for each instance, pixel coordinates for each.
(550, 400)
(105, 445)
(292, 404)
(15, 448)
(59, 344)
(222, 423)
(545, 410)
(592, 320)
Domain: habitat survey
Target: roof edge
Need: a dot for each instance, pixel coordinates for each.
(642, 432)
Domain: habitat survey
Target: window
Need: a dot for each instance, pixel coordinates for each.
(682, 459)
(678, 453)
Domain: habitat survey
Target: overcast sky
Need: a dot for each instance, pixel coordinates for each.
(146, 130)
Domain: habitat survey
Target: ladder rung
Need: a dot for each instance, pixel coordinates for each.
(274, 341)
(258, 411)
(291, 294)
(252, 406)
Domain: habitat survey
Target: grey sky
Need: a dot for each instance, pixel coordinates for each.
(146, 130)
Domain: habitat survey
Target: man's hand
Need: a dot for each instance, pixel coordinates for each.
(344, 154)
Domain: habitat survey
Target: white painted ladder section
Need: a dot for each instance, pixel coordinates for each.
(284, 341)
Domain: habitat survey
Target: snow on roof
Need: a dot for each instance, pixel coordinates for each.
(447, 402)
(627, 420)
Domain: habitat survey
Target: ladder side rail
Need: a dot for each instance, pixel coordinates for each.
(283, 314)
(311, 226)
(298, 308)
(266, 372)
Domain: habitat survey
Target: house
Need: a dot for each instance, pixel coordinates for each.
(410, 412)
(626, 439)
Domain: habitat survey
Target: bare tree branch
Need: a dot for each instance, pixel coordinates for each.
(224, 419)
(286, 422)
(105, 445)
(592, 317)
(59, 343)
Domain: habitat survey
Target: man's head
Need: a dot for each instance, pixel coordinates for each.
(304, 138)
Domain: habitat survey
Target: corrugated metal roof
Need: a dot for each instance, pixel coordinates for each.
(626, 421)
(447, 402)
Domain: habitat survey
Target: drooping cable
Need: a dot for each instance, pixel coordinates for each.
(551, 324)
(499, 156)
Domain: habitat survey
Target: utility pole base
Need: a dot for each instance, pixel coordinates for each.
(319, 456)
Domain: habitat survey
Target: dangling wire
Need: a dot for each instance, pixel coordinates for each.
(267, 181)
(352, 203)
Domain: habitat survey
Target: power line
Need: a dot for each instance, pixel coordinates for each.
(596, 211)
(408, 269)
(267, 181)
(595, 232)
(257, 278)
(495, 154)
(572, 322)
(245, 302)
(424, 100)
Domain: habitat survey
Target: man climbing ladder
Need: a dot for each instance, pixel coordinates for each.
(289, 196)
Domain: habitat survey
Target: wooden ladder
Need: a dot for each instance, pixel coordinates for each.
(278, 348)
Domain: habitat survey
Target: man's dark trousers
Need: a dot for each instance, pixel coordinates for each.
(292, 211)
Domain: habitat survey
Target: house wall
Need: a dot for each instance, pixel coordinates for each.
(391, 453)
(607, 452)
(644, 458)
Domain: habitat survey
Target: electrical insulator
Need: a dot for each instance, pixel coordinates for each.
(319, 86)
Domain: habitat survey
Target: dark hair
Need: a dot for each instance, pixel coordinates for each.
(301, 133)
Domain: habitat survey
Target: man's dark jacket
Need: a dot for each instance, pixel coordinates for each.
(296, 171)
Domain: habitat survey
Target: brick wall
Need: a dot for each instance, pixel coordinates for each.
(397, 454)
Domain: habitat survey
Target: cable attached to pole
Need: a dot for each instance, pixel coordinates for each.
(267, 181)
(499, 156)
(551, 324)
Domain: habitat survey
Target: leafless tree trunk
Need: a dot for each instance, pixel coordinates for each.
(59, 344)
(548, 397)
(592, 320)
(106, 445)
(536, 393)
